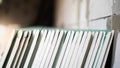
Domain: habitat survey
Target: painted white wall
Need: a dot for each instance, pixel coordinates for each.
(79, 13)
(66, 13)
(100, 8)
(116, 63)
(72, 14)
(98, 24)
(83, 14)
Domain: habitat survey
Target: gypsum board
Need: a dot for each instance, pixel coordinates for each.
(47, 49)
(23, 40)
(38, 53)
(107, 51)
(62, 52)
(76, 49)
(14, 50)
(96, 49)
(54, 41)
(91, 50)
(71, 50)
(8, 49)
(80, 48)
(59, 43)
(101, 53)
(35, 50)
(24, 49)
(85, 50)
(67, 50)
(35, 34)
(99, 50)
(44, 47)
(27, 49)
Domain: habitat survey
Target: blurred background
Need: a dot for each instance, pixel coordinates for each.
(72, 14)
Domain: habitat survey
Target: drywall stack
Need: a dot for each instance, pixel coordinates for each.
(54, 48)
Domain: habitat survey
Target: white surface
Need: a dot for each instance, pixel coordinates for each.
(117, 53)
(108, 49)
(14, 51)
(66, 12)
(20, 49)
(84, 50)
(76, 49)
(36, 34)
(47, 50)
(80, 48)
(100, 8)
(44, 48)
(91, 50)
(63, 49)
(2, 59)
(25, 47)
(51, 49)
(95, 50)
(43, 37)
(73, 45)
(56, 48)
(98, 24)
(65, 58)
(101, 49)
